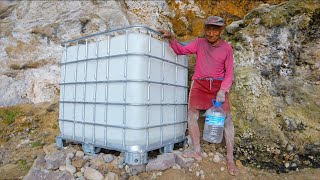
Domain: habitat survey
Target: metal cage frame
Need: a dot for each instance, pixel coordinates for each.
(133, 154)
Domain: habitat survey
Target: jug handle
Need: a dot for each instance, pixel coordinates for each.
(213, 101)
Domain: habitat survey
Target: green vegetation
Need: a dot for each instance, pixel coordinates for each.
(23, 164)
(55, 126)
(36, 144)
(9, 116)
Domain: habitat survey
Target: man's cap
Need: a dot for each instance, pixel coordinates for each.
(215, 20)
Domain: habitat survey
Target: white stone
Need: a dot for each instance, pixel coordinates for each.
(82, 169)
(70, 155)
(128, 169)
(80, 154)
(71, 169)
(216, 158)
(204, 154)
(62, 168)
(68, 161)
(176, 166)
(111, 176)
(286, 164)
(222, 169)
(108, 158)
(201, 172)
(92, 174)
(79, 174)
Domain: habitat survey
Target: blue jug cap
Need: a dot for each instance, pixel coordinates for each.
(218, 104)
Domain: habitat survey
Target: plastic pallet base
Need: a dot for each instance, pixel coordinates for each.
(131, 158)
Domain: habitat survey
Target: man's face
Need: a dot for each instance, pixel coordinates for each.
(213, 33)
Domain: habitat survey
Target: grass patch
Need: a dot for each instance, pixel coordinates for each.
(36, 144)
(23, 165)
(54, 126)
(9, 116)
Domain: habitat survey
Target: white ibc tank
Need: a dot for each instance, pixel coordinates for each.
(126, 90)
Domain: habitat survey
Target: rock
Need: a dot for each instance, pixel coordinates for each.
(108, 158)
(5, 6)
(70, 155)
(87, 158)
(40, 162)
(78, 162)
(162, 162)
(289, 147)
(197, 173)
(62, 168)
(79, 174)
(128, 169)
(82, 169)
(176, 166)
(265, 73)
(37, 174)
(81, 178)
(71, 169)
(92, 174)
(294, 165)
(111, 176)
(50, 149)
(154, 176)
(201, 172)
(222, 169)
(68, 161)
(137, 169)
(211, 154)
(239, 164)
(312, 149)
(276, 151)
(204, 155)
(159, 173)
(182, 161)
(234, 26)
(216, 158)
(124, 175)
(55, 160)
(118, 161)
(80, 154)
(306, 162)
(96, 163)
(287, 165)
(134, 178)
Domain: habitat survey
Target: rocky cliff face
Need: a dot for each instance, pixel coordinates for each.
(31, 33)
(275, 96)
(276, 90)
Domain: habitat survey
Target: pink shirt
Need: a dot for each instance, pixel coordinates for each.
(211, 62)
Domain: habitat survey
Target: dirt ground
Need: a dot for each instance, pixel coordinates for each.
(25, 129)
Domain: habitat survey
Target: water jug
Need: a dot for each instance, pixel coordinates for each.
(214, 123)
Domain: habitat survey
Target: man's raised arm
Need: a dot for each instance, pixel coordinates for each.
(179, 49)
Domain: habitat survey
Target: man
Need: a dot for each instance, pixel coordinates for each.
(212, 79)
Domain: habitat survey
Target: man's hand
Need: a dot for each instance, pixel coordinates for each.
(221, 96)
(166, 34)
